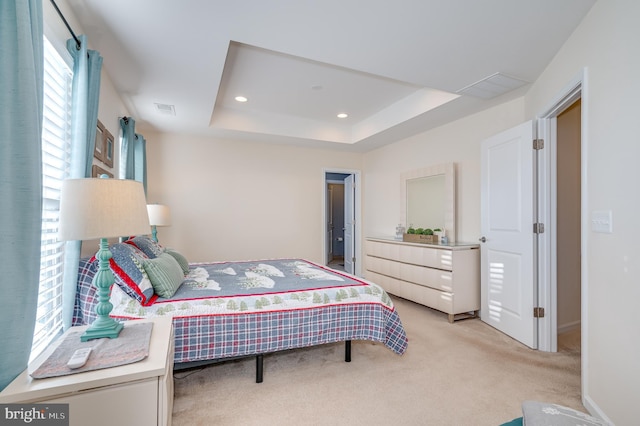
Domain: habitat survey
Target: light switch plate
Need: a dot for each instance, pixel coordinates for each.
(602, 221)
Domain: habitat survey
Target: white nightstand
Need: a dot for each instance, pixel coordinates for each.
(134, 394)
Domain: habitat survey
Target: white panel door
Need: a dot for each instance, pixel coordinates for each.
(349, 225)
(507, 209)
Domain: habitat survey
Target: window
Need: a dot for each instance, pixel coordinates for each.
(56, 145)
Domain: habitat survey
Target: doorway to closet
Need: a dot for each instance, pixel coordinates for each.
(568, 228)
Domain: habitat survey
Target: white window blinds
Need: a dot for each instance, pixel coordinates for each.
(56, 143)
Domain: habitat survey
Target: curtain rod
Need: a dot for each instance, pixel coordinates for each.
(78, 44)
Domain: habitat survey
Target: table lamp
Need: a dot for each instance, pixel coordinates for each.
(159, 215)
(102, 208)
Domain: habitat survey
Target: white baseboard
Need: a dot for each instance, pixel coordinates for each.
(570, 326)
(594, 409)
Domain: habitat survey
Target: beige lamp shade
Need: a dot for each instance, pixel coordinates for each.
(159, 215)
(102, 208)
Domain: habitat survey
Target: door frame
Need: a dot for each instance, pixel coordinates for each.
(546, 210)
(358, 217)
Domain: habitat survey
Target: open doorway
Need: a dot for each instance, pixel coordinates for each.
(335, 220)
(568, 220)
(539, 305)
(562, 204)
(341, 246)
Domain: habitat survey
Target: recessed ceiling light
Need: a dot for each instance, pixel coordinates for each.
(343, 115)
(241, 99)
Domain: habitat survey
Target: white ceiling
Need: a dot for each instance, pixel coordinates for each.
(397, 68)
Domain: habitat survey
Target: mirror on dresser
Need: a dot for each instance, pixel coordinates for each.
(428, 198)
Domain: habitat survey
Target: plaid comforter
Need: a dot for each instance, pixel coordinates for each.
(235, 309)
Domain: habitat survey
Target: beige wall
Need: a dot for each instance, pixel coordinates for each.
(457, 142)
(606, 44)
(233, 200)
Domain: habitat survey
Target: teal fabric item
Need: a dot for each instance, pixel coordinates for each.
(87, 67)
(165, 274)
(21, 104)
(140, 148)
(127, 148)
(133, 153)
(514, 422)
(182, 261)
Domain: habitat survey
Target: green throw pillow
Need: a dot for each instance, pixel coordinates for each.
(182, 261)
(165, 274)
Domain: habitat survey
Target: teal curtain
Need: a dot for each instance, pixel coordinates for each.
(140, 162)
(21, 83)
(133, 153)
(87, 66)
(127, 149)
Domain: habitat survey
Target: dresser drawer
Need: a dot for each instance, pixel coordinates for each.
(423, 256)
(428, 277)
(436, 299)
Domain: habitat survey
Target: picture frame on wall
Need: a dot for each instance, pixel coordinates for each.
(107, 148)
(96, 171)
(98, 150)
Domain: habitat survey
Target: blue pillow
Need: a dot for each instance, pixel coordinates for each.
(126, 265)
(146, 244)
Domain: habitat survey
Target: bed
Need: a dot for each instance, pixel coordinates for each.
(225, 310)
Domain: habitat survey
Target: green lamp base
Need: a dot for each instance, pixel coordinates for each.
(104, 325)
(98, 332)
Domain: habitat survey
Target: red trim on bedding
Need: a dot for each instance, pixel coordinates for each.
(131, 284)
(306, 308)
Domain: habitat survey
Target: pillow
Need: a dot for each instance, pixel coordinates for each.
(146, 244)
(182, 261)
(514, 422)
(165, 274)
(126, 265)
(537, 413)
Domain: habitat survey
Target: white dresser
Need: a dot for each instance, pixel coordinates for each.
(442, 277)
(134, 394)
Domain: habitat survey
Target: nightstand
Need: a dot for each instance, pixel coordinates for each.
(134, 394)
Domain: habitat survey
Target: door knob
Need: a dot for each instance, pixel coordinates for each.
(483, 240)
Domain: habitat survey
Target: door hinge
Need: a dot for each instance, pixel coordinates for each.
(538, 228)
(538, 144)
(538, 312)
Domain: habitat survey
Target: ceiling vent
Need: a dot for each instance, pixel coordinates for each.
(492, 86)
(166, 109)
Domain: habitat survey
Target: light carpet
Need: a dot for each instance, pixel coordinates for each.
(465, 373)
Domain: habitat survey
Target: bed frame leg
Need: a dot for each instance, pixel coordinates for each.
(259, 368)
(260, 360)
